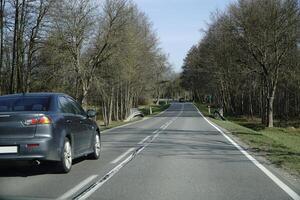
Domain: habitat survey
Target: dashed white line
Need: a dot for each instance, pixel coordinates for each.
(145, 139)
(274, 178)
(122, 156)
(164, 126)
(94, 187)
(104, 179)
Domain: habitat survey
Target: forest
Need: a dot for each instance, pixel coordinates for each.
(103, 53)
(248, 61)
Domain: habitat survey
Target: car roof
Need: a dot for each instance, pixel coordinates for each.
(35, 94)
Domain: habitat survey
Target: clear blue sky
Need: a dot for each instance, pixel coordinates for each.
(178, 23)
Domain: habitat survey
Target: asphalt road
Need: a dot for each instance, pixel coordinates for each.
(175, 155)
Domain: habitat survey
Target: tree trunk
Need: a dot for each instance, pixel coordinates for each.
(20, 49)
(110, 106)
(250, 105)
(242, 104)
(127, 102)
(84, 100)
(110, 110)
(158, 97)
(2, 4)
(121, 103)
(263, 104)
(270, 112)
(104, 114)
(271, 106)
(117, 105)
(14, 49)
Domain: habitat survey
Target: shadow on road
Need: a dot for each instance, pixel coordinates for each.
(28, 168)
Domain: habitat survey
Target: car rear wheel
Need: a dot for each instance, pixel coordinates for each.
(96, 147)
(65, 164)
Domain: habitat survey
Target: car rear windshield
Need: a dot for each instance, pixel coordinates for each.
(21, 104)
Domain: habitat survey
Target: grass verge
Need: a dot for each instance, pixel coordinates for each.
(281, 146)
(113, 124)
(156, 109)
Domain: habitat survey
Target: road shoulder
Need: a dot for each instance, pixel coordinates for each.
(291, 180)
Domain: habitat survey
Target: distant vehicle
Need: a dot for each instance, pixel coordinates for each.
(47, 127)
(182, 100)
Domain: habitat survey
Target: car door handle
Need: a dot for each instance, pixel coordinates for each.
(81, 122)
(69, 121)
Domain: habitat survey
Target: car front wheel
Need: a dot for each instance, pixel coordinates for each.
(96, 147)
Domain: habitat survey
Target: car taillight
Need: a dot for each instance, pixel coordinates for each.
(44, 120)
(31, 146)
(39, 120)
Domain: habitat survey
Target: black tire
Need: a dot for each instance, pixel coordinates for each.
(96, 147)
(65, 164)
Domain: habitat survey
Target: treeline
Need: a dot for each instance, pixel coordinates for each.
(249, 60)
(104, 54)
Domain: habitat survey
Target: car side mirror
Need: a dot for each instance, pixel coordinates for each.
(91, 113)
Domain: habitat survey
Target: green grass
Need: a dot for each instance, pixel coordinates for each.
(203, 108)
(155, 109)
(281, 146)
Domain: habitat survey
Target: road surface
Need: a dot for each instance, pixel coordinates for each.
(175, 155)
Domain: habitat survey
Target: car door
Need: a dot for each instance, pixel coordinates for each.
(87, 127)
(72, 123)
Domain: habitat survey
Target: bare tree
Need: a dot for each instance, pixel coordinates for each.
(245, 58)
(2, 7)
(268, 34)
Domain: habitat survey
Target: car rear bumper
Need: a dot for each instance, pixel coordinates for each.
(30, 149)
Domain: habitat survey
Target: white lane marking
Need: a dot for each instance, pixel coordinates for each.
(93, 188)
(156, 131)
(274, 178)
(163, 126)
(141, 142)
(77, 188)
(146, 138)
(122, 156)
(131, 149)
(112, 172)
(104, 179)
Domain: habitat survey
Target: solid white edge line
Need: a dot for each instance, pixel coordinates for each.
(122, 156)
(75, 189)
(274, 178)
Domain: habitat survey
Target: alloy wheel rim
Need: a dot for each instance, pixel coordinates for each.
(97, 145)
(68, 155)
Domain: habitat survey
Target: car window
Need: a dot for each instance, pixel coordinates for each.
(78, 109)
(66, 106)
(23, 103)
